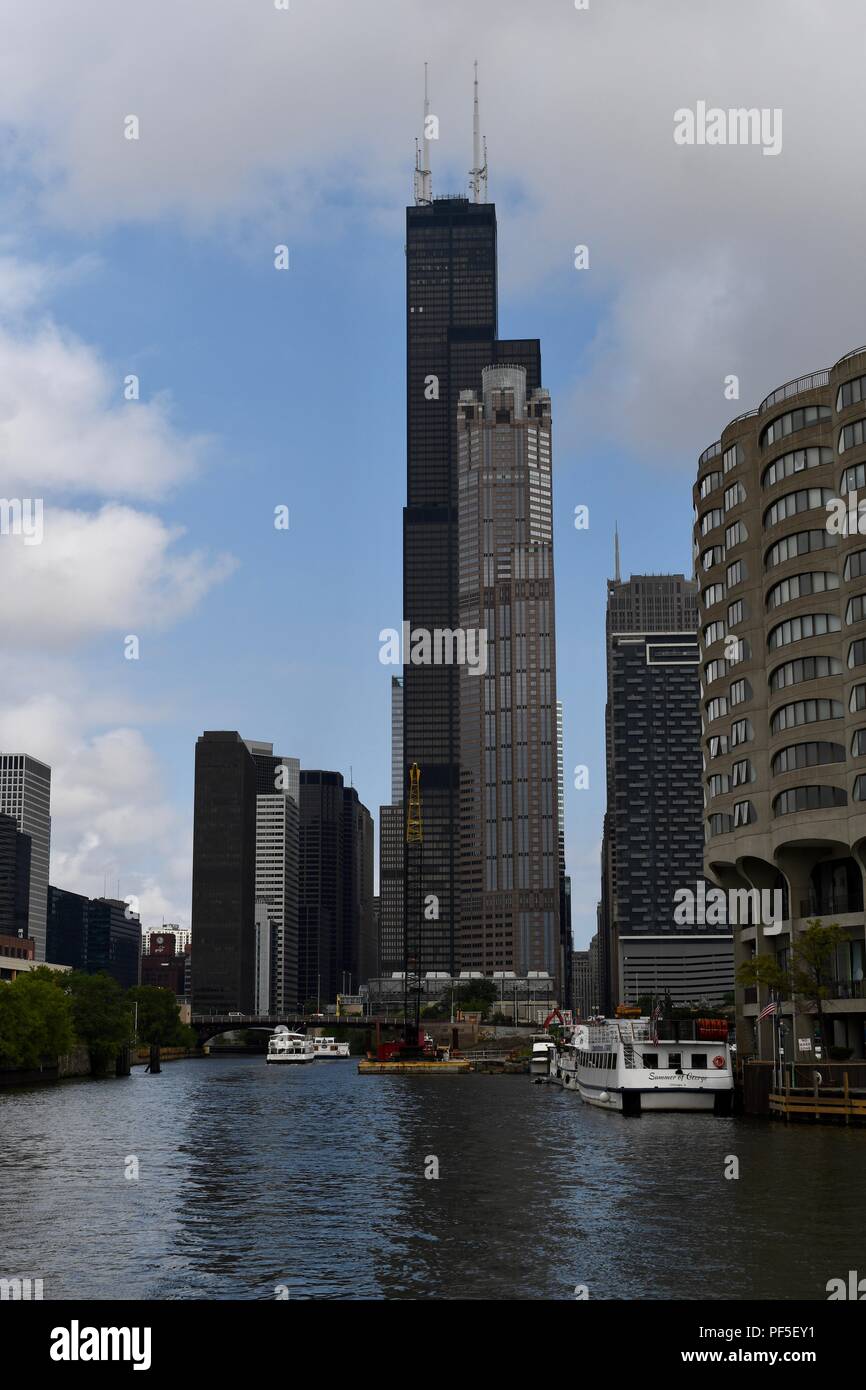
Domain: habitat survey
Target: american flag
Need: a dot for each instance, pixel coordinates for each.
(767, 1010)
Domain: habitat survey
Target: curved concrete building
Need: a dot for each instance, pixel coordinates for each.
(783, 679)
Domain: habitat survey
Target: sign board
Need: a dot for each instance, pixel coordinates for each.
(805, 1044)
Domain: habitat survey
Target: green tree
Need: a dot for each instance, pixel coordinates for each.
(101, 1016)
(157, 1020)
(811, 968)
(35, 1020)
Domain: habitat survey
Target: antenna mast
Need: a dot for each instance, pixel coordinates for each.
(478, 174)
(423, 176)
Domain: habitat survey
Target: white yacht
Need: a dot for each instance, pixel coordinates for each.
(329, 1047)
(288, 1047)
(635, 1065)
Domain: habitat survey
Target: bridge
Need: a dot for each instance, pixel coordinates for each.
(209, 1026)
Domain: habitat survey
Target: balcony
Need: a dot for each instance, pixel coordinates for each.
(840, 900)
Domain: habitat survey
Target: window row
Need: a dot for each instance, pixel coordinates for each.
(792, 421)
(805, 712)
(806, 499)
(808, 799)
(801, 543)
(850, 392)
(850, 436)
(800, 586)
(799, 755)
(709, 484)
(797, 461)
(804, 668)
(807, 625)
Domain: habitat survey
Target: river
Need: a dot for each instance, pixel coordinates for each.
(312, 1180)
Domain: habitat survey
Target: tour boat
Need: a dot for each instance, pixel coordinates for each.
(286, 1046)
(635, 1065)
(329, 1047)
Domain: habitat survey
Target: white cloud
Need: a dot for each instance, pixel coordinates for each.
(110, 817)
(115, 570)
(66, 428)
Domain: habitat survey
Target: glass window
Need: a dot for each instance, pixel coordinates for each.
(699, 1061)
(819, 798)
(792, 503)
(744, 813)
(855, 565)
(741, 732)
(709, 483)
(856, 609)
(805, 668)
(736, 573)
(710, 520)
(714, 556)
(792, 421)
(850, 392)
(713, 594)
(736, 612)
(795, 462)
(742, 772)
(735, 535)
(797, 629)
(858, 743)
(739, 691)
(734, 495)
(805, 712)
(801, 543)
(719, 823)
(731, 457)
(800, 586)
(799, 755)
(850, 436)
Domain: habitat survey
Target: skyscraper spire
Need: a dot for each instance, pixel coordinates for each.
(423, 176)
(478, 173)
(616, 574)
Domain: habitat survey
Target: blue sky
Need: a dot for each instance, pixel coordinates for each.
(261, 388)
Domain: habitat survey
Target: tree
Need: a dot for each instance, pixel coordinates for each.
(811, 968)
(101, 1016)
(35, 1020)
(158, 1020)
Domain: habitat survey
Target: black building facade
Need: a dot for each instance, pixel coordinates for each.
(68, 915)
(653, 829)
(451, 336)
(223, 875)
(113, 940)
(336, 942)
(15, 859)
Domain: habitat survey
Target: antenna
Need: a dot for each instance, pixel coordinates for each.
(616, 553)
(478, 173)
(423, 176)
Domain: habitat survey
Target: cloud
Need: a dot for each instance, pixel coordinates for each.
(110, 817)
(65, 426)
(115, 570)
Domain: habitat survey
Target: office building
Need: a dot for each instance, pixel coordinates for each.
(781, 556)
(277, 867)
(451, 336)
(390, 948)
(68, 916)
(224, 875)
(511, 859)
(653, 843)
(25, 795)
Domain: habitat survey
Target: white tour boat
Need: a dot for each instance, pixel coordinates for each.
(543, 1055)
(286, 1046)
(329, 1047)
(633, 1065)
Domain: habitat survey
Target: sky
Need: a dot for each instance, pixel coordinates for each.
(258, 388)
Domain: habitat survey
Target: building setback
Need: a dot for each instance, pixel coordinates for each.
(653, 843)
(25, 794)
(510, 854)
(451, 336)
(223, 875)
(783, 653)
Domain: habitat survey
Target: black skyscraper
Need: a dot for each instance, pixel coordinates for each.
(451, 325)
(224, 875)
(335, 919)
(15, 852)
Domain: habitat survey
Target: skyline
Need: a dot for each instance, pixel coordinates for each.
(120, 269)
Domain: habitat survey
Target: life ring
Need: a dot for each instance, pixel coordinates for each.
(718, 1062)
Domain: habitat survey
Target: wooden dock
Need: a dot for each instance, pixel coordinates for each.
(820, 1103)
(367, 1068)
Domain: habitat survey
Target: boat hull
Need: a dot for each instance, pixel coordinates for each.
(291, 1061)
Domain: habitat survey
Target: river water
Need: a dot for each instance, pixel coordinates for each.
(253, 1177)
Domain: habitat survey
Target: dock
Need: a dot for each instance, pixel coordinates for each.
(367, 1068)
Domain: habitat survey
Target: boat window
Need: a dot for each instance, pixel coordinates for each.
(651, 1059)
(675, 1059)
(699, 1061)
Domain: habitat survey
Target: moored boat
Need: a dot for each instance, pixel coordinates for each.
(329, 1047)
(637, 1065)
